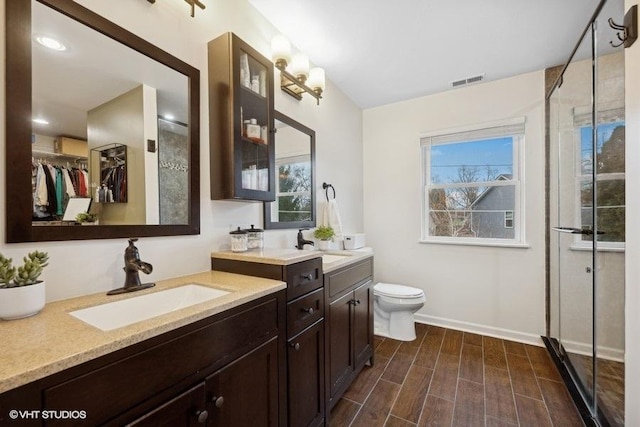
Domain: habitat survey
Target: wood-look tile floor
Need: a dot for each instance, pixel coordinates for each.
(451, 378)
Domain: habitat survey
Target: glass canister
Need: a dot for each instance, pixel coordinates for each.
(238, 240)
(255, 238)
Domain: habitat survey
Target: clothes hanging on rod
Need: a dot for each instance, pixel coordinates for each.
(53, 185)
(114, 180)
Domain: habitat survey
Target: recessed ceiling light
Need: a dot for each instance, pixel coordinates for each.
(41, 121)
(169, 116)
(51, 43)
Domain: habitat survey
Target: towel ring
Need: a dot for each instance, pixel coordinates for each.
(326, 190)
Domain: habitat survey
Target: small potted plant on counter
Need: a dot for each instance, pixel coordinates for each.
(21, 293)
(84, 218)
(324, 234)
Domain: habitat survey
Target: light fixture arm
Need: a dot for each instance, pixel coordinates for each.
(192, 4)
(293, 86)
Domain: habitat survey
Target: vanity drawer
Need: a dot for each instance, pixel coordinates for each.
(303, 277)
(347, 277)
(304, 311)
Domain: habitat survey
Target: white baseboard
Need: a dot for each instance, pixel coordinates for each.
(608, 353)
(475, 328)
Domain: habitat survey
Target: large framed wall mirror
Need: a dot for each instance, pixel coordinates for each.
(295, 147)
(76, 83)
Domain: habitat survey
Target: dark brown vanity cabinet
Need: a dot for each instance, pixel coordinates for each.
(187, 409)
(349, 326)
(305, 333)
(220, 371)
(245, 393)
(241, 121)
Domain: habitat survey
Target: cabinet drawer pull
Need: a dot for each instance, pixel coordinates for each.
(295, 346)
(202, 416)
(308, 310)
(307, 276)
(218, 401)
(354, 302)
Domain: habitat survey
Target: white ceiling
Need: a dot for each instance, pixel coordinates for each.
(380, 52)
(95, 69)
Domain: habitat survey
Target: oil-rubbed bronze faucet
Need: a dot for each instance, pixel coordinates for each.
(301, 240)
(132, 266)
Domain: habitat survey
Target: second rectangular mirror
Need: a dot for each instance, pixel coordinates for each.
(294, 206)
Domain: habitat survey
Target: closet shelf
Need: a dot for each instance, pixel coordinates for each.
(38, 153)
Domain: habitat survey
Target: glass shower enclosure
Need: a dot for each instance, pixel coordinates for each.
(586, 211)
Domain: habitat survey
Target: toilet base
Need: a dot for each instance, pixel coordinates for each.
(399, 325)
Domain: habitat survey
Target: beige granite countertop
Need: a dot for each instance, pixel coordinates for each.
(269, 256)
(291, 256)
(53, 340)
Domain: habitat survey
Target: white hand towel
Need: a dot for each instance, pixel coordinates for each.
(331, 217)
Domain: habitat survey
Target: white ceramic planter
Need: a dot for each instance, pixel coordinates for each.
(323, 245)
(22, 301)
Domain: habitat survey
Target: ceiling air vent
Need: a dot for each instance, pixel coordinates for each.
(467, 81)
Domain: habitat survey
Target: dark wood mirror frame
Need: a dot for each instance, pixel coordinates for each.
(18, 94)
(273, 225)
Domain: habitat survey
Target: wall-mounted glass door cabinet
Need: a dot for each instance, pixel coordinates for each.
(241, 121)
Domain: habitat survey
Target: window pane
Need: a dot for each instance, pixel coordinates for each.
(294, 177)
(611, 210)
(294, 208)
(610, 148)
(471, 212)
(472, 161)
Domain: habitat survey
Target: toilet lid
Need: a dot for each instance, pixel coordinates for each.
(398, 291)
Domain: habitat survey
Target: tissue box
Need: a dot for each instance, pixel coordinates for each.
(354, 241)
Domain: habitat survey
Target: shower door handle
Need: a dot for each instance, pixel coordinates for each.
(573, 230)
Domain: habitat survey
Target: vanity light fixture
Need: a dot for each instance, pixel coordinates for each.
(296, 78)
(50, 43)
(192, 4)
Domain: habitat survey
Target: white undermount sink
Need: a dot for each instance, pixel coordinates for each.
(333, 257)
(125, 312)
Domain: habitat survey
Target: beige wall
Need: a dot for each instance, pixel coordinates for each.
(82, 267)
(492, 290)
(122, 121)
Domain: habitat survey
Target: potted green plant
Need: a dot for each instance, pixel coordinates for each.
(22, 294)
(323, 234)
(85, 218)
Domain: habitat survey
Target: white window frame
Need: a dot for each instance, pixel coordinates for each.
(275, 205)
(610, 116)
(515, 128)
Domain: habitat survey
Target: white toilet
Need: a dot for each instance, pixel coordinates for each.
(393, 307)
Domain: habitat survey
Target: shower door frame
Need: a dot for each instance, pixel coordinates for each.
(587, 405)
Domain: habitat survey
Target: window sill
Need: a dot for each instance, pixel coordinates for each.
(501, 244)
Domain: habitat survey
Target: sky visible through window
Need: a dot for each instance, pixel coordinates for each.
(490, 157)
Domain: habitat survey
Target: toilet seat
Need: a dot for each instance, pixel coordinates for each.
(397, 291)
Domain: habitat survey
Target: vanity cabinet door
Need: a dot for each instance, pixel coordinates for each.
(187, 409)
(306, 377)
(363, 323)
(340, 356)
(245, 393)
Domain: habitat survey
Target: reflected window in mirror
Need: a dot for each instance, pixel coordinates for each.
(106, 87)
(294, 206)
